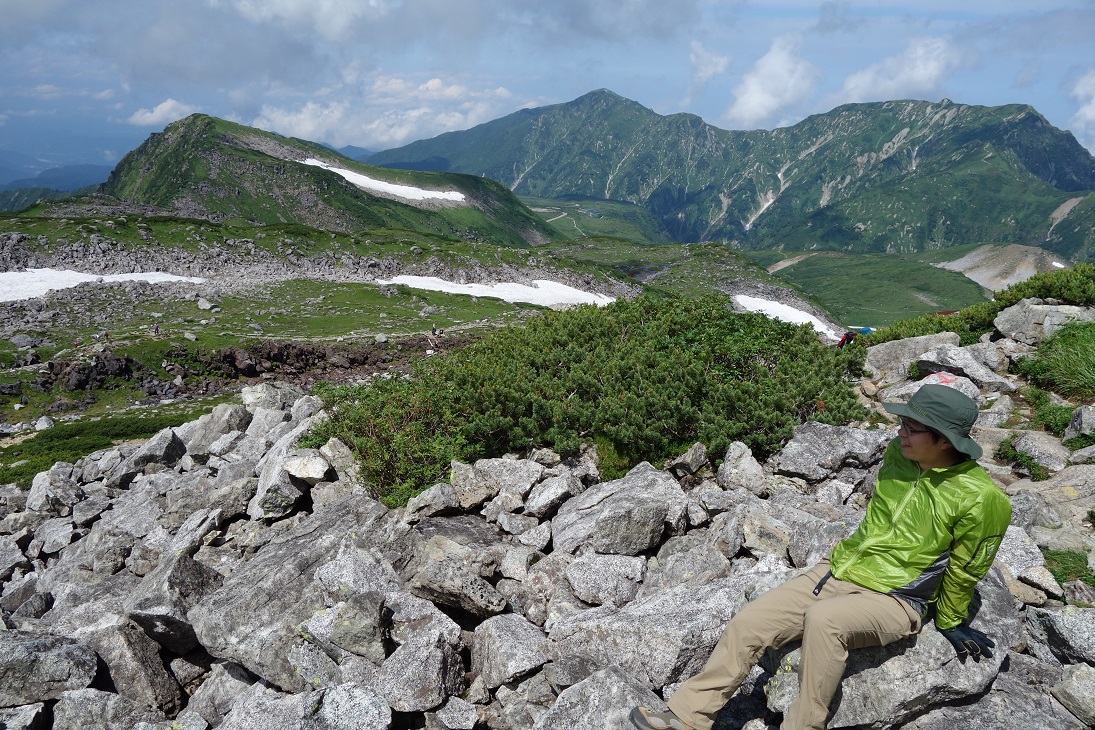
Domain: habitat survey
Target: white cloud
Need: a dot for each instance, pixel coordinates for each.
(163, 113)
(46, 91)
(390, 111)
(1083, 121)
(333, 19)
(706, 64)
(917, 72)
(313, 121)
(779, 79)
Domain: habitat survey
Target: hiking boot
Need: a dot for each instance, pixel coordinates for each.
(645, 719)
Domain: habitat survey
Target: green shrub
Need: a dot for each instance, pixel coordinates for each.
(1065, 363)
(642, 379)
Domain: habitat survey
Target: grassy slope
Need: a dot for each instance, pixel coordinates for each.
(878, 289)
(238, 174)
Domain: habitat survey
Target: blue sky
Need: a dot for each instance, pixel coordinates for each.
(87, 81)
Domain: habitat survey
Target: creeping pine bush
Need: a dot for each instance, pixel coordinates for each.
(1071, 286)
(644, 379)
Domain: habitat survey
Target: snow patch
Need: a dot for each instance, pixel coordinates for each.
(543, 291)
(18, 285)
(780, 311)
(407, 192)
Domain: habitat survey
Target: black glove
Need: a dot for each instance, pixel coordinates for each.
(969, 642)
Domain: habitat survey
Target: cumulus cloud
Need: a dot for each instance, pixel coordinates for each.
(163, 113)
(706, 64)
(1083, 121)
(779, 79)
(312, 121)
(392, 111)
(334, 19)
(918, 71)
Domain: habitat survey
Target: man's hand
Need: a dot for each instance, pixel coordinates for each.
(969, 642)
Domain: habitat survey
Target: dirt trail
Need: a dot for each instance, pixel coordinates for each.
(788, 262)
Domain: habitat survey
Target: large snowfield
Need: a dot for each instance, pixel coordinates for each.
(19, 285)
(407, 192)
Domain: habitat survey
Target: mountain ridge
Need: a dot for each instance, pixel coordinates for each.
(761, 189)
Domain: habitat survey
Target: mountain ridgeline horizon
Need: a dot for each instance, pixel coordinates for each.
(886, 177)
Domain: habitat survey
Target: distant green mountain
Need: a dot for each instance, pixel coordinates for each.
(897, 176)
(203, 167)
(66, 178)
(20, 198)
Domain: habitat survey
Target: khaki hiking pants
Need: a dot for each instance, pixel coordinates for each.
(842, 616)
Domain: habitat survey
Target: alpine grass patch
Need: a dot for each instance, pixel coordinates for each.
(644, 379)
(1065, 363)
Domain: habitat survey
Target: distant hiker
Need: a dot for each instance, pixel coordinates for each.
(846, 339)
(931, 532)
(156, 329)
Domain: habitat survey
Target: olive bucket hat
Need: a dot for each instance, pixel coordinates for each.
(946, 411)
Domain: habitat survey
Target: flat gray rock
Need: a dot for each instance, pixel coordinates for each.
(38, 667)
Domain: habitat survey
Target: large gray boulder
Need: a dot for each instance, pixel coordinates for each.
(1068, 631)
(818, 451)
(26, 717)
(198, 436)
(133, 662)
(1042, 448)
(889, 362)
(1031, 321)
(599, 579)
(421, 674)
(252, 618)
(602, 702)
(92, 709)
(622, 517)
(1020, 696)
(278, 492)
(662, 638)
(739, 470)
(38, 667)
(1076, 692)
(1071, 490)
(275, 396)
(225, 683)
(959, 361)
(1082, 423)
(55, 490)
(507, 647)
(451, 574)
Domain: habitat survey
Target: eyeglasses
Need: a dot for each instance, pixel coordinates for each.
(911, 430)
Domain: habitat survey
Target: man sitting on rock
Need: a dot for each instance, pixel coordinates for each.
(930, 532)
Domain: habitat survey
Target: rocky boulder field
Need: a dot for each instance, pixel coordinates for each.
(217, 576)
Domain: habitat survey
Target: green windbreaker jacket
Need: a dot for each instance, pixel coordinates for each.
(926, 537)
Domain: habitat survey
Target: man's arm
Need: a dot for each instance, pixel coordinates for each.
(977, 537)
